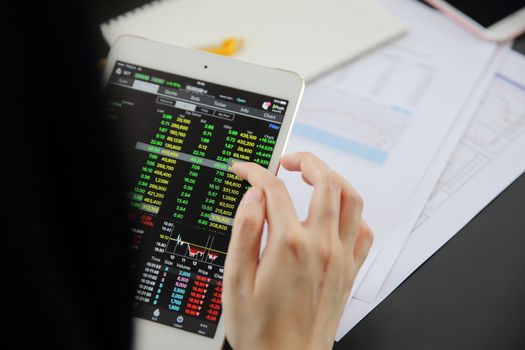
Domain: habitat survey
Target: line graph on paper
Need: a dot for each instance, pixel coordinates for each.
(351, 125)
(198, 251)
(499, 120)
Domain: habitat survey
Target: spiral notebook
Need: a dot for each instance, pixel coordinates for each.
(310, 37)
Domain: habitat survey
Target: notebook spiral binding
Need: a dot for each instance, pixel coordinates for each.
(148, 5)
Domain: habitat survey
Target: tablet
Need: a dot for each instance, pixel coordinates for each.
(495, 20)
(181, 118)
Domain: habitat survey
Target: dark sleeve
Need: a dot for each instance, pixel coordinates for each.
(65, 283)
(101, 48)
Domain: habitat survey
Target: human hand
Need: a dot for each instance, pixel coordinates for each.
(293, 296)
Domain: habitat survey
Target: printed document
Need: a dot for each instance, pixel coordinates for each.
(489, 157)
(381, 120)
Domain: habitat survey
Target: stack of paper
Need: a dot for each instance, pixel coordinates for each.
(382, 120)
(419, 127)
(489, 157)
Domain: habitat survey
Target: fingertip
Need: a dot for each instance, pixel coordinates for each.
(236, 165)
(306, 181)
(363, 244)
(290, 161)
(238, 169)
(249, 170)
(286, 157)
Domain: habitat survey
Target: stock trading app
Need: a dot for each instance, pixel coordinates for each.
(179, 137)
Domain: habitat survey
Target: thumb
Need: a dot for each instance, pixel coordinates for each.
(243, 252)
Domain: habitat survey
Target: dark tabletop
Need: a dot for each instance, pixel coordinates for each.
(469, 295)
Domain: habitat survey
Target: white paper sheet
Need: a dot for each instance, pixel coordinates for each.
(490, 156)
(381, 120)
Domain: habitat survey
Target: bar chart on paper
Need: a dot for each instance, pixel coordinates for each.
(499, 121)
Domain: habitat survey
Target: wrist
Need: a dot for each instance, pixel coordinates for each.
(287, 343)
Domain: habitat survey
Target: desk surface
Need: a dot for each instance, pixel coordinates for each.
(469, 295)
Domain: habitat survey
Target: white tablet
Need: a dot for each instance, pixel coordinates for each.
(181, 118)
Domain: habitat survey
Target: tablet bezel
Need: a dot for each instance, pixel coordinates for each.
(219, 70)
(505, 29)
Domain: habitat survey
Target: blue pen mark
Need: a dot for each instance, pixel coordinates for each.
(510, 81)
(348, 146)
(401, 110)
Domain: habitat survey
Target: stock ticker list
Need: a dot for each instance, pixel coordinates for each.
(179, 137)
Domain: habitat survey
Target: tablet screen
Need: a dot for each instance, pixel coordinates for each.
(179, 137)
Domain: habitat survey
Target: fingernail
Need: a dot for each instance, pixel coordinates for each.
(253, 195)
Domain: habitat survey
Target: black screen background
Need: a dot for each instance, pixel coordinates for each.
(162, 244)
(487, 12)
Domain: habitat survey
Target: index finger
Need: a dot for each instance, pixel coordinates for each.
(325, 204)
(279, 207)
(351, 203)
